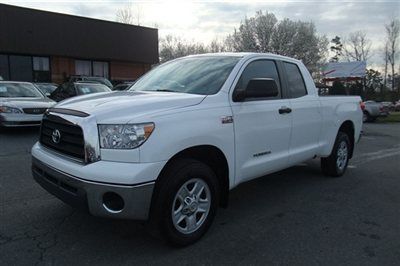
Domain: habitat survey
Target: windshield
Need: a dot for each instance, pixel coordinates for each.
(47, 88)
(91, 88)
(14, 90)
(100, 80)
(121, 87)
(196, 75)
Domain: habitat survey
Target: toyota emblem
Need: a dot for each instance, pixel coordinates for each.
(56, 136)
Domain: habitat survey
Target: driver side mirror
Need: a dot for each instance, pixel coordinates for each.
(257, 88)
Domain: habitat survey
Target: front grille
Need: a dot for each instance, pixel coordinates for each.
(71, 141)
(34, 111)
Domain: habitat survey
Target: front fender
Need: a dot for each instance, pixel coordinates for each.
(176, 132)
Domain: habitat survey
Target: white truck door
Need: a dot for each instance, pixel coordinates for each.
(307, 118)
(262, 125)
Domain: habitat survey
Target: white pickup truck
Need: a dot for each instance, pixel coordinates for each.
(170, 149)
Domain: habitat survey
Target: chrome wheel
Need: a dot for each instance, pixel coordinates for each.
(191, 206)
(342, 155)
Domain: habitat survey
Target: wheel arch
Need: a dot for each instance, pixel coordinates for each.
(211, 156)
(348, 128)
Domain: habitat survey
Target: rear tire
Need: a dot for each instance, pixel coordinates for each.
(366, 117)
(186, 202)
(336, 164)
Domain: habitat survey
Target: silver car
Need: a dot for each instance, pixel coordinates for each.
(21, 104)
(373, 110)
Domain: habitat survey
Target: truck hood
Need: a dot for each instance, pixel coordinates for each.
(123, 106)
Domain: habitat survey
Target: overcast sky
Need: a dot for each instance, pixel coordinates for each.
(206, 20)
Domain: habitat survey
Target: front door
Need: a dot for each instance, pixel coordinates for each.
(262, 129)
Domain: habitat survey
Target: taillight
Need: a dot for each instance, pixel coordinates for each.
(362, 105)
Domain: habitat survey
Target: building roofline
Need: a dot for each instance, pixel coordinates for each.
(77, 16)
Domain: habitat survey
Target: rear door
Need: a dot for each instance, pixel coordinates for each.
(262, 132)
(307, 118)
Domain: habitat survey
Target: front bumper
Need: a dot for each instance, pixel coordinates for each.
(20, 120)
(90, 195)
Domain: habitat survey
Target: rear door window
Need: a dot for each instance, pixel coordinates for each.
(295, 81)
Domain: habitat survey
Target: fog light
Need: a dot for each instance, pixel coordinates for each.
(113, 202)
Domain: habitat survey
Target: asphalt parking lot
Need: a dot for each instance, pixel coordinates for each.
(296, 216)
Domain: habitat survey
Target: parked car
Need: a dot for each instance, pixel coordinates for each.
(21, 104)
(397, 106)
(123, 86)
(46, 88)
(72, 89)
(101, 80)
(389, 106)
(373, 110)
(171, 148)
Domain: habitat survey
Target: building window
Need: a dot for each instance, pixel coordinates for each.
(21, 68)
(41, 69)
(91, 68)
(83, 67)
(41, 64)
(100, 69)
(4, 71)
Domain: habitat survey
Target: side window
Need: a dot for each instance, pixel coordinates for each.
(295, 80)
(259, 69)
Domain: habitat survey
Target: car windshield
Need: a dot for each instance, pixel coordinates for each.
(47, 88)
(121, 87)
(197, 75)
(100, 80)
(14, 90)
(91, 88)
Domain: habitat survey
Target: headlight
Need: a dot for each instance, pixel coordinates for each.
(126, 136)
(7, 109)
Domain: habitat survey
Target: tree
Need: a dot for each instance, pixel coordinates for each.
(336, 48)
(357, 47)
(337, 88)
(373, 81)
(392, 36)
(264, 33)
(386, 57)
(172, 47)
(127, 14)
(216, 47)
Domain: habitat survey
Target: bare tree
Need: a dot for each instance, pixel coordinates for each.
(125, 14)
(216, 46)
(129, 14)
(386, 57)
(392, 36)
(172, 47)
(357, 46)
(264, 33)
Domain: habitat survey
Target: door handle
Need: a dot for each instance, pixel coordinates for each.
(285, 110)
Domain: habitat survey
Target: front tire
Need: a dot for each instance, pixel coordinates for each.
(187, 201)
(336, 164)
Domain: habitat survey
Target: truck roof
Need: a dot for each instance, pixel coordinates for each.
(248, 55)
